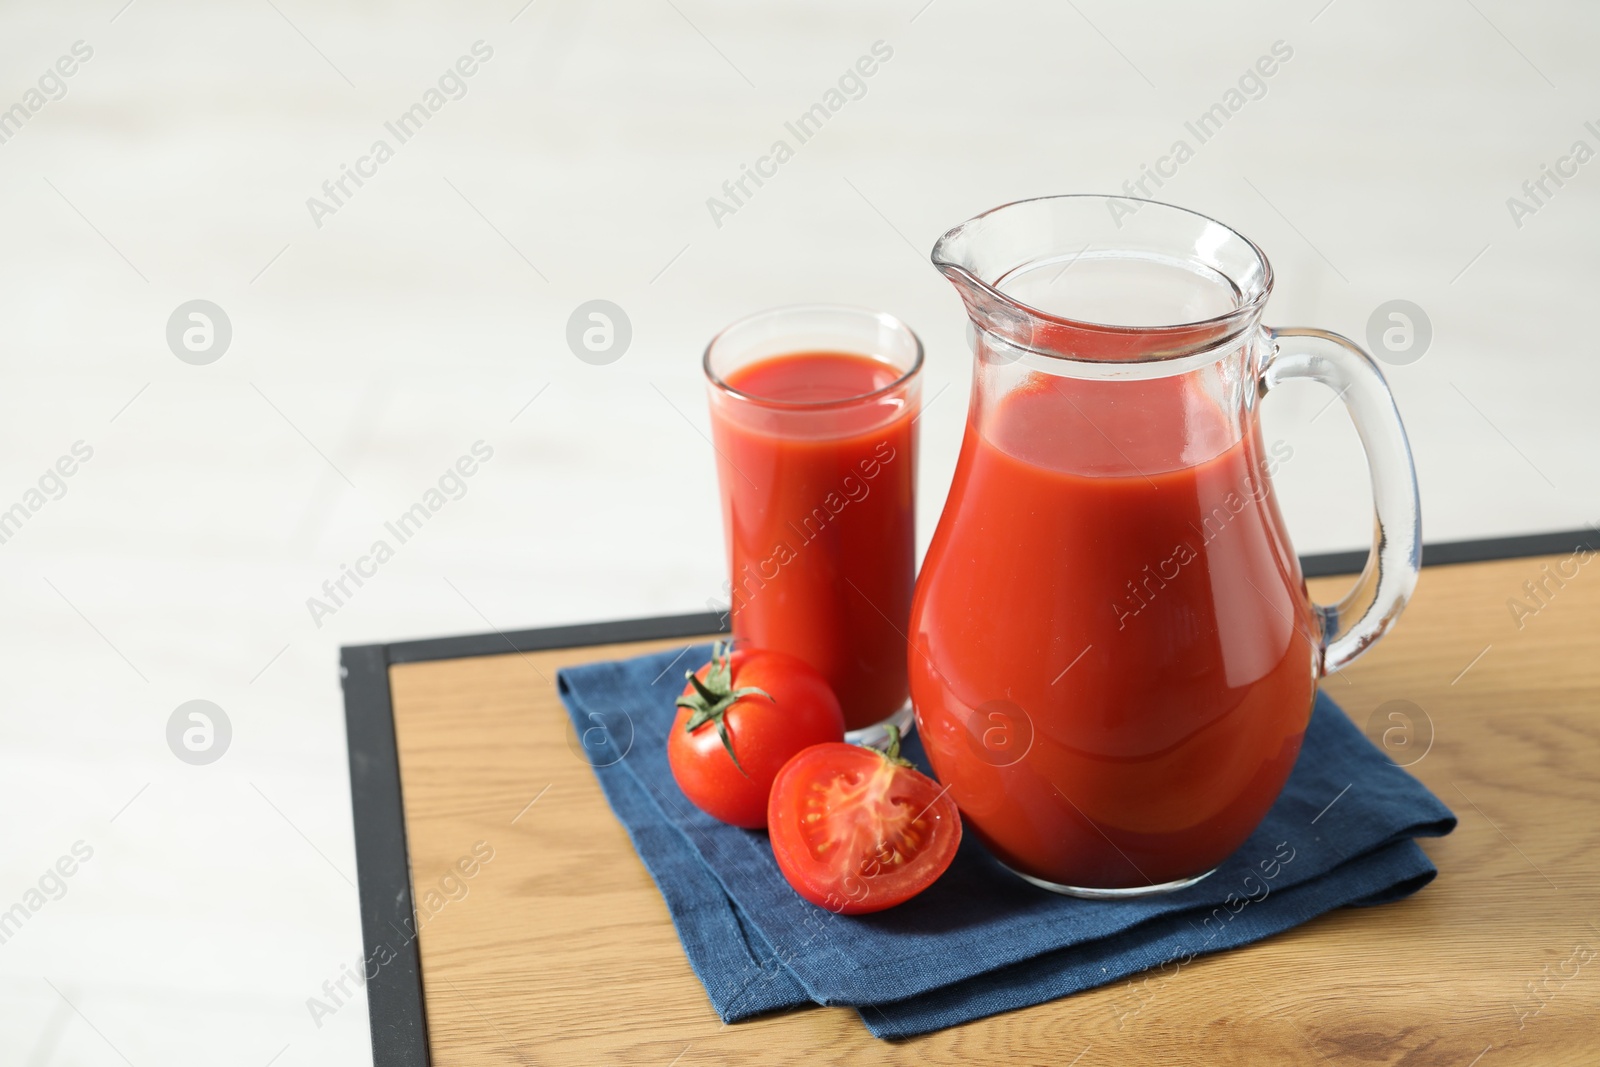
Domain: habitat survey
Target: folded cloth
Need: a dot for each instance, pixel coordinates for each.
(981, 940)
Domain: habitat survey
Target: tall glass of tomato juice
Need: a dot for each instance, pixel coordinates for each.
(813, 417)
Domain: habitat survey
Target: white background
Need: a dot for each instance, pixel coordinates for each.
(372, 351)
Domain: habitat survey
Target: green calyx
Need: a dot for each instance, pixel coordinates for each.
(713, 697)
(891, 751)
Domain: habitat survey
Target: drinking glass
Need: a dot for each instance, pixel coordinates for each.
(813, 416)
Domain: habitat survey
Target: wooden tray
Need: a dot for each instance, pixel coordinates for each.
(544, 941)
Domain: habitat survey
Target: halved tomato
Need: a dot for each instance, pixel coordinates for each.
(857, 830)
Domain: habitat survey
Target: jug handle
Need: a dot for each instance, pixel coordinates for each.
(1371, 607)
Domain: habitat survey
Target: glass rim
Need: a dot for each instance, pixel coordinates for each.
(1237, 317)
(894, 323)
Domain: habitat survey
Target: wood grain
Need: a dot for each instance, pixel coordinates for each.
(561, 950)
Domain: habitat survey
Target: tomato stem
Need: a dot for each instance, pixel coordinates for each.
(891, 751)
(714, 697)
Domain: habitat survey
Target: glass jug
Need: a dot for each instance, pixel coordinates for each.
(1113, 653)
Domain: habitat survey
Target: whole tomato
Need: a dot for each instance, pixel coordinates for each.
(740, 719)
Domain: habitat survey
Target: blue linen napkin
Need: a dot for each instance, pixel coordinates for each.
(981, 941)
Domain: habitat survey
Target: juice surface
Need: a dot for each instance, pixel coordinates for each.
(812, 377)
(1113, 651)
(818, 511)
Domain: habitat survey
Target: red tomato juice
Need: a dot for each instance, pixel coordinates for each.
(1112, 648)
(817, 488)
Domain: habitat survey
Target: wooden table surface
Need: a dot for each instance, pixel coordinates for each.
(559, 950)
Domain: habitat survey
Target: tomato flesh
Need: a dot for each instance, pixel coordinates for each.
(856, 832)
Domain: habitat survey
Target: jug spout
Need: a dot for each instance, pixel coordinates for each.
(1102, 279)
(966, 255)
